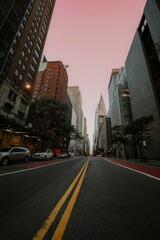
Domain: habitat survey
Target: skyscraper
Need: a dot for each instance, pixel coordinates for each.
(143, 74)
(23, 29)
(119, 98)
(100, 115)
(111, 92)
(76, 100)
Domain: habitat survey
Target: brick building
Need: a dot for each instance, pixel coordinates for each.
(51, 81)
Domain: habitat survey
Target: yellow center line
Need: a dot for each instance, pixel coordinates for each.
(65, 218)
(43, 230)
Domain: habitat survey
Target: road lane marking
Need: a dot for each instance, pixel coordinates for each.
(34, 168)
(132, 169)
(65, 218)
(79, 163)
(43, 230)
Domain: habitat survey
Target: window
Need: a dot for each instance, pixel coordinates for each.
(36, 53)
(34, 60)
(38, 47)
(12, 96)
(33, 68)
(26, 58)
(23, 106)
(30, 76)
(22, 25)
(27, 12)
(15, 41)
(7, 108)
(43, 29)
(24, 19)
(41, 34)
(24, 67)
(16, 72)
(11, 50)
(40, 41)
(19, 33)
(20, 76)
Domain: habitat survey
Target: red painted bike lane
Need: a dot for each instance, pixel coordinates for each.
(144, 168)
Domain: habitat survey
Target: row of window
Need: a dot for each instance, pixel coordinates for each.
(19, 72)
(128, 116)
(12, 96)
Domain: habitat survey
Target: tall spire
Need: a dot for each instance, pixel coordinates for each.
(101, 106)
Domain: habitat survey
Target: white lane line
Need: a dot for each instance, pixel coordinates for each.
(33, 168)
(148, 175)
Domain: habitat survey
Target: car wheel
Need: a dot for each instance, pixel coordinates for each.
(26, 159)
(5, 161)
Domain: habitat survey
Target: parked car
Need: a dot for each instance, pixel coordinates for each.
(43, 155)
(62, 155)
(10, 154)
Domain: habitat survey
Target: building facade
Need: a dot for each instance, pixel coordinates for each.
(72, 144)
(143, 73)
(108, 134)
(111, 87)
(119, 111)
(23, 30)
(86, 143)
(76, 100)
(51, 81)
(24, 27)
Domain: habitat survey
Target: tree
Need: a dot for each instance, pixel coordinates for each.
(48, 118)
(139, 130)
(72, 131)
(120, 137)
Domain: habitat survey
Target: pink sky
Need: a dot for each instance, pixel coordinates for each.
(92, 37)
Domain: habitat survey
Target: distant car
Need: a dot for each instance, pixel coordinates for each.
(43, 155)
(62, 155)
(10, 154)
(71, 154)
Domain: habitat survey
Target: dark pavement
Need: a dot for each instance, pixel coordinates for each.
(113, 201)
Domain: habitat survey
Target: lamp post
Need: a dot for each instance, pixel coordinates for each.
(143, 147)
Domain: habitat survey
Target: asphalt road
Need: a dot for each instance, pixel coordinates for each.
(79, 199)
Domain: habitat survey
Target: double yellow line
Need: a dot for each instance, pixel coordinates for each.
(58, 234)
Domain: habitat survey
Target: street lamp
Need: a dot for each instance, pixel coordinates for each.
(27, 86)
